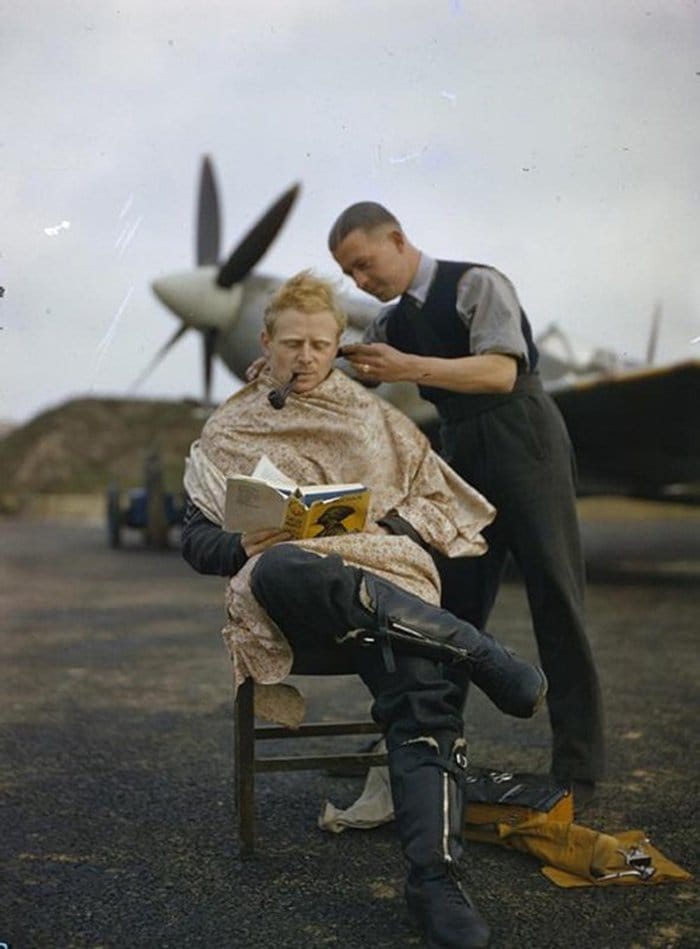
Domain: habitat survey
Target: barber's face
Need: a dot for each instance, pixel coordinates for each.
(376, 261)
(305, 343)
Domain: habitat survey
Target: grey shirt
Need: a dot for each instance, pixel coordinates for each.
(486, 302)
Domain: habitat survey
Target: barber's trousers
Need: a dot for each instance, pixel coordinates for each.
(519, 456)
(314, 600)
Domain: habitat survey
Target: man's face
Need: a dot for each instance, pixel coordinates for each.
(305, 343)
(376, 260)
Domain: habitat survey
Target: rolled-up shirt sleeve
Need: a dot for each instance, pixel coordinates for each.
(489, 307)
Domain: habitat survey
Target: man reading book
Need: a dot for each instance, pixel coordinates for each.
(373, 594)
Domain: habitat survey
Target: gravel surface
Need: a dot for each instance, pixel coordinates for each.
(118, 826)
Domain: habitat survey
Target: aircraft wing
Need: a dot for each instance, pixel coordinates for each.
(637, 432)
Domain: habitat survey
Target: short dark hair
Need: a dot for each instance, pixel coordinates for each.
(363, 216)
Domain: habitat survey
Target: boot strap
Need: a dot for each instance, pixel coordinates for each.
(384, 639)
(437, 649)
(390, 631)
(378, 636)
(448, 765)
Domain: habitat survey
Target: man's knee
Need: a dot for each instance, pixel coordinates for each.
(283, 562)
(294, 585)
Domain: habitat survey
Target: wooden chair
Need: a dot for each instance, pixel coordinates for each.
(247, 763)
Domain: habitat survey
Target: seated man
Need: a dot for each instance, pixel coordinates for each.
(372, 594)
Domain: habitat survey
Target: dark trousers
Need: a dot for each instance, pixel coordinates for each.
(519, 456)
(314, 601)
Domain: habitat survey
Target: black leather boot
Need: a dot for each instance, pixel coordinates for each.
(515, 686)
(428, 805)
(314, 598)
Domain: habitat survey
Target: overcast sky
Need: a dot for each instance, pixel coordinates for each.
(556, 139)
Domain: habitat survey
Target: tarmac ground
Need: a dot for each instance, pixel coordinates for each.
(116, 790)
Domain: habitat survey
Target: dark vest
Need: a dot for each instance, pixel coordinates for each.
(436, 329)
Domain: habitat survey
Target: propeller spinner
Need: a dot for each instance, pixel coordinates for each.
(208, 298)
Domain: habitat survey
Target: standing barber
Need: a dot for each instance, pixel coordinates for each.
(458, 331)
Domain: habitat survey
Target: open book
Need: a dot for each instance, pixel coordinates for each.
(268, 499)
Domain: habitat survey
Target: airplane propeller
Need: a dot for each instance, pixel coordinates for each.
(208, 298)
(210, 339)
(257, 240)
(653, 334)
(208, 217)
(179, 332)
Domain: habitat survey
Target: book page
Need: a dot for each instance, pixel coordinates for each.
(268, 471)
(310, 493)
(253, 505)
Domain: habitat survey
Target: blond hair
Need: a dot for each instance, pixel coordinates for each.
(308, 294)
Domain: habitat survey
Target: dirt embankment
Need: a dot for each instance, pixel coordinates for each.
(82, 446)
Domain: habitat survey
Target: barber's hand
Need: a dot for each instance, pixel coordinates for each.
(379, 361)
(254, 542)
(255, 368)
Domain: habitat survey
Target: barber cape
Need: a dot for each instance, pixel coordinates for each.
(337, 432)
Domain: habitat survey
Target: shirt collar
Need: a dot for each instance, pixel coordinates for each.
(423, 277)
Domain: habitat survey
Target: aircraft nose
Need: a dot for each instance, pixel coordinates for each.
(195, 297)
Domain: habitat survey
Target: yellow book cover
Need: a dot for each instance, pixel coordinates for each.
(318, 510)
(328, 513)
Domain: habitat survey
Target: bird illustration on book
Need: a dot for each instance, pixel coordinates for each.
(332, 520)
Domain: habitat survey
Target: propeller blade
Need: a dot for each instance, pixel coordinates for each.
(653, 334)
(210, 339)
(249, 251)
(208, 217)
(159, 355)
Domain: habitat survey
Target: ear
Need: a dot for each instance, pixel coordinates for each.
(397, 238)
(265, 342)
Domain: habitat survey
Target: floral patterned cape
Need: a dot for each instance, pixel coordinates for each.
(338, 432)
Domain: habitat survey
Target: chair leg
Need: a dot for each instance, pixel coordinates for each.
(244, 765)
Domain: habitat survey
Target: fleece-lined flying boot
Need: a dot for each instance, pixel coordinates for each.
(403, 620)
(444, 912)
(428, 802)
(325, 597)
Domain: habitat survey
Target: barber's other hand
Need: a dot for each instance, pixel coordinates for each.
(254, 542)
(379, 361)
(255, 368)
